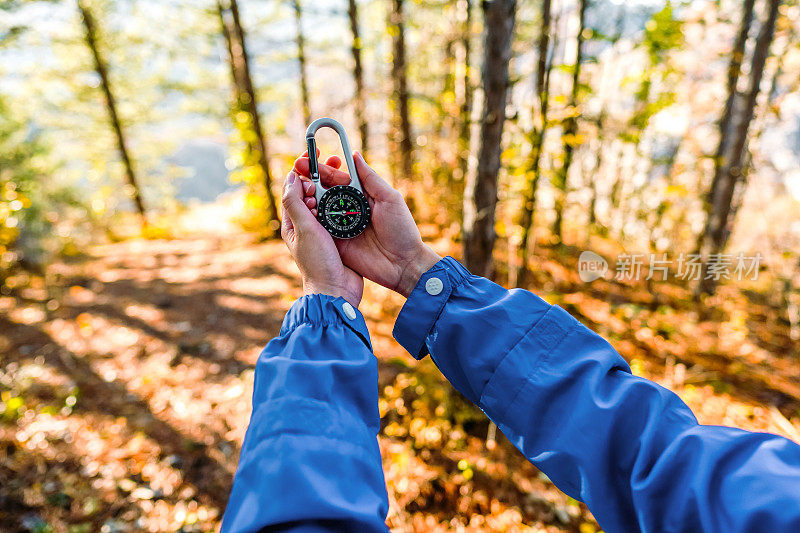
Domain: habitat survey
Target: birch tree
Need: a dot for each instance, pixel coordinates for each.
(245, 107)
(401, 134)
(101, 68)
(301, 60)
(536, 140)
(359, 104)
(480, 199)
(729, 172)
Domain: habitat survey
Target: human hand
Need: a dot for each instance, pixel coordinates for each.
(313, 248)
(390, 251)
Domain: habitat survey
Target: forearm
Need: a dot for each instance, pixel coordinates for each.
(310, 458)
(630, 449)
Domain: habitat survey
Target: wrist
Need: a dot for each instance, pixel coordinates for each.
(415, 268)
(349, 291)
(311, 287)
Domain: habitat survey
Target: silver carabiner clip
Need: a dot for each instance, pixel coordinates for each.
(343, 210)
(312, 154)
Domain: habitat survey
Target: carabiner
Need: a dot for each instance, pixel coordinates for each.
(313, 162)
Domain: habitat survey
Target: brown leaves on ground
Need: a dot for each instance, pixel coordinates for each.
(126, 381)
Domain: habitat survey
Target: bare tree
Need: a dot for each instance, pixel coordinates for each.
(481, 191)
(90, 26)
(301, 59)
(245, 99)
(465, 111)
(536, 139)
(601, 124)
(569, 133)
(724, 124)
(358, 76)
(404, 158)
(729, 172)
(734, 71)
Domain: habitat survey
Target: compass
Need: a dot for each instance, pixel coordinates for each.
(343, 210)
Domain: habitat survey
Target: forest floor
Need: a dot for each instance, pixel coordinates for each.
(126, 378)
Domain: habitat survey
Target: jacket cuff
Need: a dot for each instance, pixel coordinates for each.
(425, 304)
(323, 310)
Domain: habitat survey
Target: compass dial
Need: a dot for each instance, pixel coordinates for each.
(343, 211)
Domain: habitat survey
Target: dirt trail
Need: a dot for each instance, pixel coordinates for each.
(126, 384)
(153, 344)
(134, 368)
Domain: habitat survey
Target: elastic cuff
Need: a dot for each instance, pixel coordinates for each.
(325, 310)
(425, 304)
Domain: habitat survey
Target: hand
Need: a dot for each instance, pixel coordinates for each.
(313, 248)
(390, 252)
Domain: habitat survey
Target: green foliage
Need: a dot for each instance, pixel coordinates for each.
(662, 33)
(246, 159)
(31, 207)
(20, 156)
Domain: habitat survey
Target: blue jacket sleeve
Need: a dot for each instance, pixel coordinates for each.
(628, 448)
(310, 459)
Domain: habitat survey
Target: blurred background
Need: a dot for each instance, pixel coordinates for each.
(142, 149)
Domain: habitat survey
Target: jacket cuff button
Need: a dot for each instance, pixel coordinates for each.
(349, 312)
(434, 286)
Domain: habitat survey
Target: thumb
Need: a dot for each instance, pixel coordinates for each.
(294, 205)
(373, 184)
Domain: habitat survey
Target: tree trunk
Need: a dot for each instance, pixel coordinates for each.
(245, 97)
(301, 59)
(729, 169)
(568, 136)
(724, 124)
(404, 158)
(734, 70)
(358, 76)
(111, 105)
(465, 111)
(481, 191)
(601, 126)
(537, 140)
(598, 165)
(444, 118)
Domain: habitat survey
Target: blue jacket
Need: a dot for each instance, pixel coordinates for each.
(628, 448)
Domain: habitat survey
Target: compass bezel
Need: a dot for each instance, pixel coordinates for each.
(358, 196)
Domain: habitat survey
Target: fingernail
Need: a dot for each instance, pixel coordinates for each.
(291, 177)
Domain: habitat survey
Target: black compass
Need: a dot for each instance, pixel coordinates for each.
(343, 210)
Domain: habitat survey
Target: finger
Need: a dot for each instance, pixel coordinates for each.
(287, 230)
(301, 166)
(293, 205)
(329, 176)
(314, 212)
(311, 202)
(372, 183)
(308, 186)
(303, 157)
(334, 161)
(305, 154)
